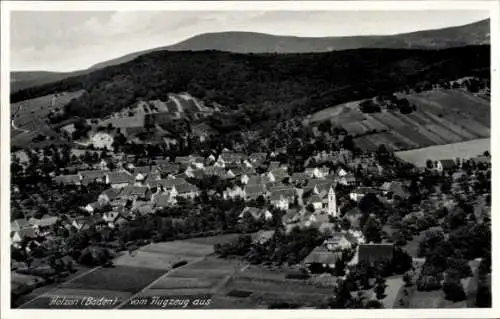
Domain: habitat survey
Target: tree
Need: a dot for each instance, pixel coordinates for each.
(453, 289)
(408, 279)
(343, 298)
(380, 285)
(372, 230)
(430, 241)
(429, 164)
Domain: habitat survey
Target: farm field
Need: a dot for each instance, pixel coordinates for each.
(133, 272)
(27, 114)
(257, 286)
(119, 278)
(465, 150)
(441, 117)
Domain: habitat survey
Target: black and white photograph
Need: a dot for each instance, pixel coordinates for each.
(252, 156)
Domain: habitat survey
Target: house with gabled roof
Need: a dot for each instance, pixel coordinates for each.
(280, 201)
(256, 213)
(98, 176)
(94, 207)
(257, 157)
(228, 158)
(119, 179)
(371, 253)
(361, 192)
(276, 175)
(163, 200)
(168, 168)
(67, 179)
(108, 195)
(391, 189)
(297, 178)
(234, 192)
(17, 236)
(292, 216)
(338, 241)
(347, 180)
(256, 180)
(19, 224)
(135, 192)
(185, 190)
(254, 191)
(85, 222)
(446, 165)
(316, 202)
(322, 256)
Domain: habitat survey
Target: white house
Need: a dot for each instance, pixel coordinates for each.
(280, 201)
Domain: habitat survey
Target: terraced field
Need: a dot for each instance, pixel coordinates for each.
(441, 117)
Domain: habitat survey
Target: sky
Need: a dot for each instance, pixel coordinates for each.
(68, 41)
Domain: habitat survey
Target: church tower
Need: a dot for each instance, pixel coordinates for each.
(332, 203)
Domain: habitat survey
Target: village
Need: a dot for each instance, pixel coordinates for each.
(359, 219)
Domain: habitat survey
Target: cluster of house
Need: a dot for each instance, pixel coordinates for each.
(21, 229)
(331, 251)
(144, 189)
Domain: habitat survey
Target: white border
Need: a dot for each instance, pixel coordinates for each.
(7, 6)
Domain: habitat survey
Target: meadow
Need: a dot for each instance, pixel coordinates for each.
(465, 150)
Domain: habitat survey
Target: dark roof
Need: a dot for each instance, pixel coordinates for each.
(170, 182)
(299, 176)
(273, 165)
(185, 188)
(448, 163)
(93, 174)
(374, 252)
(162, 200)
(119, 177)
(111, 193)
(254, 189)
(133, 190)
(365, 190)
(67, 179)
(323, 256)
(285, 191)
(314, 199)
(256, 180)
(168, 168)
(257, 156)
(47, 220)
(143, 169)
(27, 233)
(276, 197)
(20, 224)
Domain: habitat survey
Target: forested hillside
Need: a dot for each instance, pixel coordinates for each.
(266, 86)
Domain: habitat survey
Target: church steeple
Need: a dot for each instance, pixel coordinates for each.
(332, 203)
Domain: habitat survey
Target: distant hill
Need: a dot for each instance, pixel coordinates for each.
(477, 33)
(259, 88)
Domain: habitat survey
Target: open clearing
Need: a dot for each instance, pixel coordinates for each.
(394, 285)
(467, 149)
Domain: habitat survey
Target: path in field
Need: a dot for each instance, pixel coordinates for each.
(14, 125)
